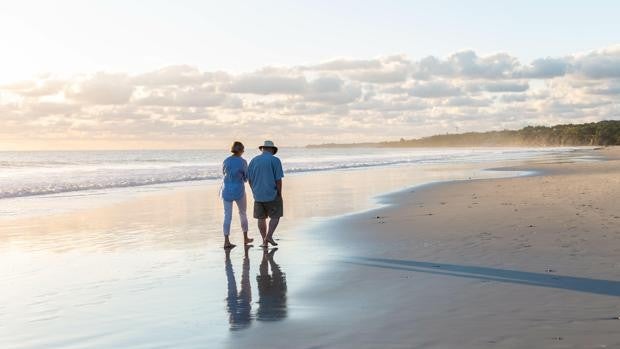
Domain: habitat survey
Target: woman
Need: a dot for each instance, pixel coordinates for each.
(235, 170)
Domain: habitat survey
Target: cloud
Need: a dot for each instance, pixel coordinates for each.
(613, 88)
(336, 100)
(332, 90)
(388, 69)
(466, 64)
(467, 102)
(513, 97)
(502, 86)
(381, 76)
(265, 84)
(205, 96)
(599, 64)
(326, 84)
(434, 89)
(345, 64)
(175, 75)
(544, 68)
(101, 88)
(32, 88)
(52, 108)
(469, 64)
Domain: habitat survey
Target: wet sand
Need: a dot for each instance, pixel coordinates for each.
(529, 262)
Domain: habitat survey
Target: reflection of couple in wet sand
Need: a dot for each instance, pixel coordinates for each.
(271, 292)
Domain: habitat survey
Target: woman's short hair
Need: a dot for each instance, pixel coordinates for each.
(237, 147)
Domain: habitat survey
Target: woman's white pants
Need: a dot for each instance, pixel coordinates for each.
(242, 207)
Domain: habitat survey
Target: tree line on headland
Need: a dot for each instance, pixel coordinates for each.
(603, 133)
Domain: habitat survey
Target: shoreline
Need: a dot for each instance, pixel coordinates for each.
(474, 263)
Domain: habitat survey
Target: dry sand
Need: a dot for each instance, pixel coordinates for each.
(529, 262)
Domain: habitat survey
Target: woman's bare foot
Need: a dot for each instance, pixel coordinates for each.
(247, 240)
(265, 244)
(270, 240)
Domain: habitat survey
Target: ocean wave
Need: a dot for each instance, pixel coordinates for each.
(75, 172)
(74, 181)
(59, 188)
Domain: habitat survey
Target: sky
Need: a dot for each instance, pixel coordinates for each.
(199, 74)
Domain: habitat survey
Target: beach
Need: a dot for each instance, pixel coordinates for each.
(452, 256)
(527, 262)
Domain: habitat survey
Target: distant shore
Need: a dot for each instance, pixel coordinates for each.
(602, 133)
(492, 263)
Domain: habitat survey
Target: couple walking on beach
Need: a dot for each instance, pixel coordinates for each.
(264, 175)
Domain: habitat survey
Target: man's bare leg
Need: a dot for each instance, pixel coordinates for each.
(262, 228)
(273, 224)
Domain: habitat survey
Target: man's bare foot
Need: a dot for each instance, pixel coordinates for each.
(248, 241)
(229, 246)
(270, 240)
(265, 244)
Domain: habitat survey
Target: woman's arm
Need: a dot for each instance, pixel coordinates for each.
(245, 171)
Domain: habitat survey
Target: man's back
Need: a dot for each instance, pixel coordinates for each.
(263, 172)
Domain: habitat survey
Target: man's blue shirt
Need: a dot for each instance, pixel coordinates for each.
(263, 172)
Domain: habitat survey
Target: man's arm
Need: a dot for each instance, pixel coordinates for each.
(279, 187)
(249, 173)
(278, 174)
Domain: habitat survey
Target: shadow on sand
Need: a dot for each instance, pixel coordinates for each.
(551, 280)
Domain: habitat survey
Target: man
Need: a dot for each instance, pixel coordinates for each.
(265, 178)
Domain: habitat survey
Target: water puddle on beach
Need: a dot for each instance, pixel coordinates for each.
(149, 271)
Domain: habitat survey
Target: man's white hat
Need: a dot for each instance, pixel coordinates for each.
(269, 144)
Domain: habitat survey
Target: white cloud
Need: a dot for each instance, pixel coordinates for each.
(265, 84)
(467, 64)
(381, 98)
(34, 88)
(599, 64)
(345, 64)
(331, 90)
(101, 88)
(176, 75)
(613, 88)
(434, 89)
(467, 102)
(381, 76)
(544, 68)
(501, 86)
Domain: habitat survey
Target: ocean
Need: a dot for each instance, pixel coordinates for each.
(54, 172)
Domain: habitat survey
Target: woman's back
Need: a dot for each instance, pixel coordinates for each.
(235, 170)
